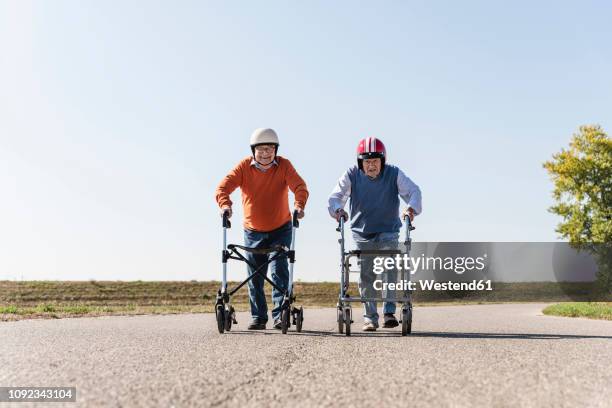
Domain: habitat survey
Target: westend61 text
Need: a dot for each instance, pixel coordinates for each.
(433, 285)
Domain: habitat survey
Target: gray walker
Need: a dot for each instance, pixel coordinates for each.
(344, 300)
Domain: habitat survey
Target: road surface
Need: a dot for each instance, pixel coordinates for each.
(485, 355)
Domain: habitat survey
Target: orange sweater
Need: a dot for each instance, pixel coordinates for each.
(264, 194)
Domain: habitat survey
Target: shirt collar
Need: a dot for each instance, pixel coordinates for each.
(259, 167)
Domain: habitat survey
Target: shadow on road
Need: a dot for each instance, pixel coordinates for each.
(277, 332)
(450, 335)
(503, 336)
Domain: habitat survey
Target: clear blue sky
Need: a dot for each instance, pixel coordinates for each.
(119, 118)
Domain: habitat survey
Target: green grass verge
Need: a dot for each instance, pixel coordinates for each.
(591, 310)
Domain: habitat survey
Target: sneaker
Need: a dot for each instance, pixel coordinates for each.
(369, 326)
(390, 321)
(257, 324)
(278, 324)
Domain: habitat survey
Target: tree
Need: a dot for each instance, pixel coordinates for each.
(582, 176)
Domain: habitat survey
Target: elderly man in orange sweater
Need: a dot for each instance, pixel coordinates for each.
(264, 179)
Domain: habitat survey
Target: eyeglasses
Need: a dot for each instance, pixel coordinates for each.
(265, 149)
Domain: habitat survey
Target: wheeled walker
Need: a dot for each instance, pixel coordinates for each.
(225, 313)
(344, 310)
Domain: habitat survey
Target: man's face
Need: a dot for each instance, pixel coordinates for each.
(371, 167)
(264, 154)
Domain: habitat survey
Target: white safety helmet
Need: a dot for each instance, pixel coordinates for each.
(264, 136)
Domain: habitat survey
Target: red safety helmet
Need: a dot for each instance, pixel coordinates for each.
(371, 148)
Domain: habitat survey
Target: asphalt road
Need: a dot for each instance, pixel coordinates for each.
(489, 355)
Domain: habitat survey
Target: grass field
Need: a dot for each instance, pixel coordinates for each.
(57, 299)
(591, 310)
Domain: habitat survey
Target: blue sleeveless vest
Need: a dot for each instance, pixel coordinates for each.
(374, 204)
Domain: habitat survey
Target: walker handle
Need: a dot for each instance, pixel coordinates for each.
(410, 224)
(409, 228)
(340, 224)
(226, 222)
(296, 222)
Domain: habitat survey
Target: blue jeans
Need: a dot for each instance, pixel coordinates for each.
(382, 240)
(280, 270)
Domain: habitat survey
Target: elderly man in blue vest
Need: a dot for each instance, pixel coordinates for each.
(374, 188)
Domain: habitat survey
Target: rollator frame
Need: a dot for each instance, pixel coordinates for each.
(224, 311)
(344, 310)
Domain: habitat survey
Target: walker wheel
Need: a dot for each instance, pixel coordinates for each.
(340, 321)
(299, 319)
(228, 318)
(285, 322)
(220, 313)
(406, 320)
(347, 320)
